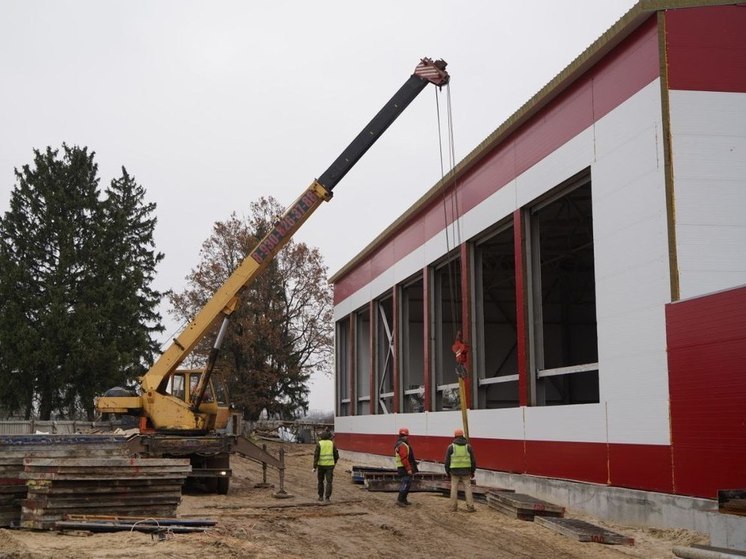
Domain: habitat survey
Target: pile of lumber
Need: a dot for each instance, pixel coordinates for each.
(100, 486)
(15, 448)
(521, 506)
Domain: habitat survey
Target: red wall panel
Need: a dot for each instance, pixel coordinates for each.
(646, 467)
(707, 383)
(706, 48)
(567, 460)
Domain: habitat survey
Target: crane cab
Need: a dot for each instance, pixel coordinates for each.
(215, 405)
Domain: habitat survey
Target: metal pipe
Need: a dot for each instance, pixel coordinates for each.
(702, 553)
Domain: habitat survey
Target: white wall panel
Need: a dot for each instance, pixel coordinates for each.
(580, 423)
(708, 138)
(495, 208)
(506, 423)
(641, 423)
(632, 270)
(571, 158)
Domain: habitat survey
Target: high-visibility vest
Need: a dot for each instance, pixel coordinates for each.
(326, 453)
(460, 459)
(397, 458)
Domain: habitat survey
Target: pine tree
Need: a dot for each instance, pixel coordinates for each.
(124, 314)
(72, 285)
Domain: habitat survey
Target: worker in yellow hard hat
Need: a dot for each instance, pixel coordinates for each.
(460, 464)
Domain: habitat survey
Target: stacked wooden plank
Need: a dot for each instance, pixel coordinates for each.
(358, 472)
(478, 491)
(521, 506)
(583, 531)
(387, 481)
(15, 448)
(100, 486)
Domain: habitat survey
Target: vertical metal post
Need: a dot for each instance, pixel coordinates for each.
(282, 472)
(264, 467)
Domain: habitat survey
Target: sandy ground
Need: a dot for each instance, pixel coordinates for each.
(251, 523)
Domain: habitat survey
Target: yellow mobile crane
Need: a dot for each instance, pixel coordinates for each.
(185, 412)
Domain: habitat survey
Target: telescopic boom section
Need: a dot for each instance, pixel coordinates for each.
(427, 71)
(224, 301)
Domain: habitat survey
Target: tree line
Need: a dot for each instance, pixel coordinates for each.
(79, 314)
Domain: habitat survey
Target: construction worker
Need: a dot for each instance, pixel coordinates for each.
(406, 465)
(325, 457)
(460, 464)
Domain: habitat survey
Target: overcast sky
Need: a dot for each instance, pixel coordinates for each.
(214, 104)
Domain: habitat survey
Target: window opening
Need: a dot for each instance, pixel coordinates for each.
(495, 353)
(385, 360)
(413, 346)
(362, 361)
(564, 333)
(447, 318)
(342, 365)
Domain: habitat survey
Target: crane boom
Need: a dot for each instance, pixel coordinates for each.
(166, 412)
(320, 190)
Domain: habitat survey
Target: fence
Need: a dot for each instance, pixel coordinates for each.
(62, 427)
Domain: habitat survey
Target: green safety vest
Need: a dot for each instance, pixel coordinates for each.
(460, 458)
(326, 453)
(397, 458)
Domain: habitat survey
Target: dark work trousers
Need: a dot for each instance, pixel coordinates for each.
(406, 482)
(325, 473)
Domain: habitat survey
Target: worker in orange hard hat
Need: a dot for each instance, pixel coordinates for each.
(460, 464)
(406, 465)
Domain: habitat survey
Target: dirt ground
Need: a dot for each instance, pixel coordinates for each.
(251, 523)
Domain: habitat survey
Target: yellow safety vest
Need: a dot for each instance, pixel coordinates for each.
(397, 458)
(326, 453)
(460, 458)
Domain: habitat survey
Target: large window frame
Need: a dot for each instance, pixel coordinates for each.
(445, 324)
(495, 358)
(563, 330)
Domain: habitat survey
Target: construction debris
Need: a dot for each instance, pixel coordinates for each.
(583, 531)
(523, 507)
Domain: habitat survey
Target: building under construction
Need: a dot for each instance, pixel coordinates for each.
(591, 251)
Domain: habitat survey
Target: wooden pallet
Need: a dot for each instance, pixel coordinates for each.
(583, 531)
(521, 506)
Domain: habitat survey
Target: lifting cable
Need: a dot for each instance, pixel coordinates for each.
(455, 224)
(450, 195)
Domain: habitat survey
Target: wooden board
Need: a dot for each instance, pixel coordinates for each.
(519, 505)
(583, 531)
